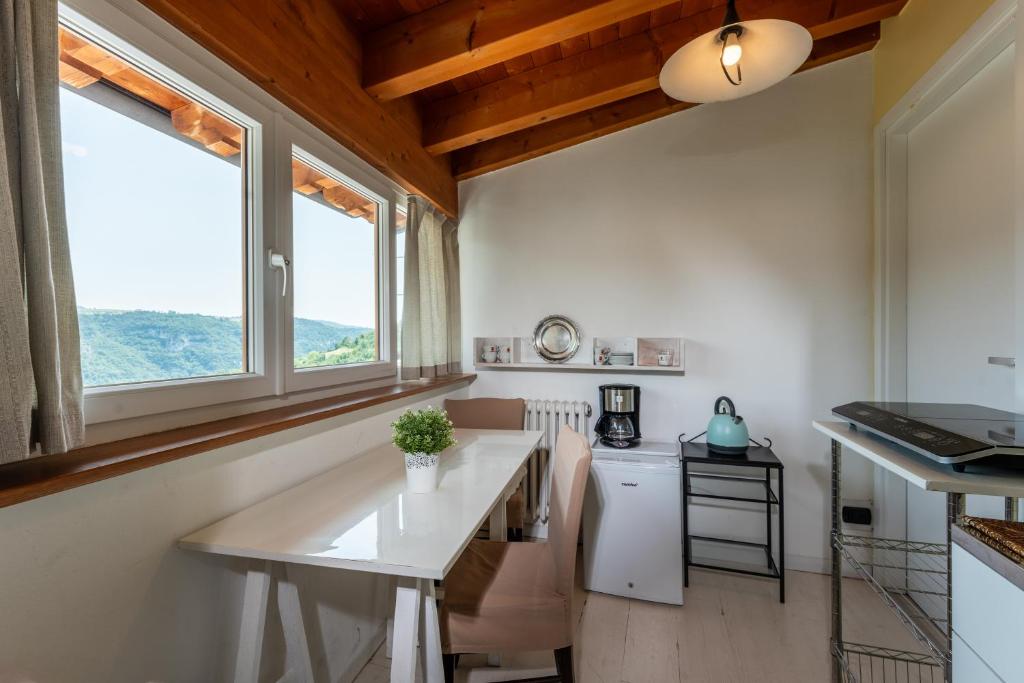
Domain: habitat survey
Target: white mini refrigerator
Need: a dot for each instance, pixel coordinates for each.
(632, 535)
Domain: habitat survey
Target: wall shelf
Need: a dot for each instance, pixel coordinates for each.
(517, 353)
(585, 367)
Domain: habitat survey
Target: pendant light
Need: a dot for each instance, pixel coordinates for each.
(739, 59)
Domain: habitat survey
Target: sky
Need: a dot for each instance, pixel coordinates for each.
(156, 224)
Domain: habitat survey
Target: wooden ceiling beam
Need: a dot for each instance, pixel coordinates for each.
(304, 53)
(572, 130)
(611, 72)
(459, 37)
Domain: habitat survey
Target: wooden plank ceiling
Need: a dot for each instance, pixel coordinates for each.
(497, 82)
(433, 91)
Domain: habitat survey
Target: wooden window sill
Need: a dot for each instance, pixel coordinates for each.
(42, 476)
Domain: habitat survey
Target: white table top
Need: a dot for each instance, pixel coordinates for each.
(359, 516)
(917, 469)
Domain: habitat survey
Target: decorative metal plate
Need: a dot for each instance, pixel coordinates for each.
(556, 339)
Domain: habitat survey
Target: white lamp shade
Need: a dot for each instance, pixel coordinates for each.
(772, 50)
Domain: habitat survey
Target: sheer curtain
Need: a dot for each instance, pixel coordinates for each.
(40, 365)
(432, 319)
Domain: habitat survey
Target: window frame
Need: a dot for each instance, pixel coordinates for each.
(180, 62)
(291, 138)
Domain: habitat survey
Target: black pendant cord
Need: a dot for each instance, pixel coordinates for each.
(731, 17)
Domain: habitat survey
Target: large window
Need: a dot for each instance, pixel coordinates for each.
(156, 187)
(223, 248)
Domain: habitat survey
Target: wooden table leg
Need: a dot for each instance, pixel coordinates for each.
(408, 599)
(294, 627)
(254, 620)
(389, 633)
(431, 649)
(499, 521)
(498, 532)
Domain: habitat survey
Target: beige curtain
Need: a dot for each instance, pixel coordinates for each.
(432, 319)
(40, 366)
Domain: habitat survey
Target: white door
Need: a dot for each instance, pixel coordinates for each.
(960, 264)
(960, 251)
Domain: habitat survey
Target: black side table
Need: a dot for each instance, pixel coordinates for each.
(755, 457)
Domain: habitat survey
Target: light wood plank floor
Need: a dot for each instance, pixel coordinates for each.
(732, 629)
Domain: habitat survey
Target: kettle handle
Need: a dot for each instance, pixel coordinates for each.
(728, 402)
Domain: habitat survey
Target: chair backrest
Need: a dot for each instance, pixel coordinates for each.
(486, 413)
(568, 485)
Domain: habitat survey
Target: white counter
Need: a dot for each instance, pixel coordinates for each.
(917, 469)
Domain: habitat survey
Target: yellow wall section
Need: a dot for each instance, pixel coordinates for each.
(913, 41)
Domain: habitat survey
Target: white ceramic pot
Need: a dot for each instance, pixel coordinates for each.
(421, 472)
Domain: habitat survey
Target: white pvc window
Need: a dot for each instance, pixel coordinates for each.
(180, 183)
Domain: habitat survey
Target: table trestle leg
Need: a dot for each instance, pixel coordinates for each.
(296, 640)
(254, 621)
(408, 598)
(431, 649)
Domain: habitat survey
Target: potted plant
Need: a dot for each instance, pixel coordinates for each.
(422, 435)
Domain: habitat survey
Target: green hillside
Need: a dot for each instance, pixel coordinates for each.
(136, 346)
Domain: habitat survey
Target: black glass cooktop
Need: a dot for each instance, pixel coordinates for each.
(947, 432)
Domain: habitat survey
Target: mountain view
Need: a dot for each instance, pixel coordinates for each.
(119, 347)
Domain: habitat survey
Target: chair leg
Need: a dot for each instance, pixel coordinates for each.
(563, 664)
(449, 662)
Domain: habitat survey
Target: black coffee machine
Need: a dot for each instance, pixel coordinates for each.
(619, 424)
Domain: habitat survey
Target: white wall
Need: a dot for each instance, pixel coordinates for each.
(92, 588)
(744, 227)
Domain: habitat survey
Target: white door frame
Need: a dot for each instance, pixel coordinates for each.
(992, 33)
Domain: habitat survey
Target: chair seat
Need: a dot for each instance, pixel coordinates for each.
(503, 597)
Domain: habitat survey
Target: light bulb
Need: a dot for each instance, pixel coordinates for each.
(731, 51)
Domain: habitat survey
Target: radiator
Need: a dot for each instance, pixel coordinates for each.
(548, 416)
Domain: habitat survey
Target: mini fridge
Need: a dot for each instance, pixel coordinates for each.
(632, 530)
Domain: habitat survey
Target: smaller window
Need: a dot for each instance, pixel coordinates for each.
(335, 247)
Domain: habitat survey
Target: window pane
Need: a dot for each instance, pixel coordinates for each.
(155, 187)
(400, 220)
(334, 255)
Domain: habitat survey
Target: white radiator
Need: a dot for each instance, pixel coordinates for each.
(548, 416)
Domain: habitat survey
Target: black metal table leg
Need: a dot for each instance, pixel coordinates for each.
(955, 503)
(686, 527)
(837, 567)
(782, 540)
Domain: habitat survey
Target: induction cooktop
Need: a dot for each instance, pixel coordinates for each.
(948, 433)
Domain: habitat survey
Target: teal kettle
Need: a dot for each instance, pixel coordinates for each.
(727, 432)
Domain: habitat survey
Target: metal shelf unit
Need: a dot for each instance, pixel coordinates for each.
(912, 579)
(870, 664)
(756, 457)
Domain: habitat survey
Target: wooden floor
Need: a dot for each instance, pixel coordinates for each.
(731, 629)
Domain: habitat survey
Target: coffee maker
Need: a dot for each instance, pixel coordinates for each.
(619, 424)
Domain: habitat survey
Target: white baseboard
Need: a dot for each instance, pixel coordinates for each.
(364, 654)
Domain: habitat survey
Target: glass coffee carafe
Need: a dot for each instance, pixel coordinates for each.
(619, 431)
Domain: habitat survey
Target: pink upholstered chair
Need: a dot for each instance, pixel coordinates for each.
(508, 597)
(494, 413)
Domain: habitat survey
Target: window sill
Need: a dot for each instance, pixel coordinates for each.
(42, 476)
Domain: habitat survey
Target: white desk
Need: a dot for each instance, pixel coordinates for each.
(930, 476)
(917, 469)
(359, 517)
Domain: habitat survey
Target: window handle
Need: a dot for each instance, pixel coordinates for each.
(279, 261)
